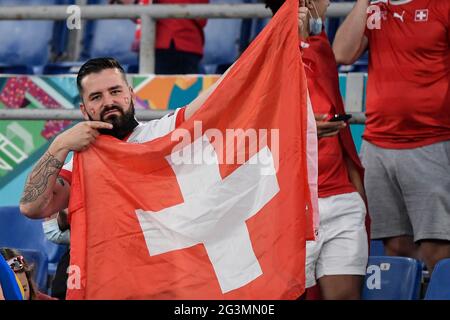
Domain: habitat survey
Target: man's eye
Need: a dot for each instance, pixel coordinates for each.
(95, 98)
(115, 92)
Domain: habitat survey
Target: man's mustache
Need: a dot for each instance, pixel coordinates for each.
(104, 111)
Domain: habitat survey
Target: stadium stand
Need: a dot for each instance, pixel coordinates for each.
(439, 286)
(392, 278)
(25, 45)
(376, 248)
(26, 235)
(221, 48)
(110, 38)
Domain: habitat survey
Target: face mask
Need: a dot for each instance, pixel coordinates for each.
(315, 25)
(54, 234)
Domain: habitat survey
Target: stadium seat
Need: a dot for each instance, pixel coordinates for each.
(25, 44)
(376, 248)
(439, 286)
(60, 37)
(392, 278)
(39, 260)
(17, 231)
(222, 41)
(112, 38)
(8, 281)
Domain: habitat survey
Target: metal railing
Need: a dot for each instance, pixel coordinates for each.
(71, 114)
(148, 15)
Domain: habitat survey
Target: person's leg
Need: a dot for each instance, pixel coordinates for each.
(341, 287)
(313, 249)
(431, 251)
(424, 175)
(402, 246)
(342, 263)
(389, 216)
(59, 283)
(173, 61)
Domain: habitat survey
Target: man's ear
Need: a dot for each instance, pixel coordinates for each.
(84, 112)
(133, 94)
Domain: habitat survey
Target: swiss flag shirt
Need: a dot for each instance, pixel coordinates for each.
(408, 96)
(323, 87)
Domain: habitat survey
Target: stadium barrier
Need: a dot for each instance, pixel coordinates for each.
(149, 15)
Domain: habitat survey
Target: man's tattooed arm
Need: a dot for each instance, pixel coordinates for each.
(36, 187)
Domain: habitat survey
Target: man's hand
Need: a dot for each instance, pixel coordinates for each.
(303, 21)
(81, 136)
(327, 128)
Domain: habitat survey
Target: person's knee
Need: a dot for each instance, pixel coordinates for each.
(431, 251)
(352, 294)
(341, 287)
(402, 246)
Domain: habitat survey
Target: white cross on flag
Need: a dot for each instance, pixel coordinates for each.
(176, 219)
(421, 15)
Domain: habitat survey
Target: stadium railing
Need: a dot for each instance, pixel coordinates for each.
(149, 15)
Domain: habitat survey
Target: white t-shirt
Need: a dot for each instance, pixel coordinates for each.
(144, 132)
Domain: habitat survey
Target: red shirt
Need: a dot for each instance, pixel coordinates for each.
(408, 93)
(187, 34)
(323, 86)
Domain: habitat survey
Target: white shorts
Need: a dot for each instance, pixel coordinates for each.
(341, 244)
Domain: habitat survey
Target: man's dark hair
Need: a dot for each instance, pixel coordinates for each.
(95, 66)
(274, 5)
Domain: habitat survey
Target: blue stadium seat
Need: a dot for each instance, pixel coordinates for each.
(439, 286)
(392, 278)
(25, 45)
(111, 38)
(60, 35)
(222, 41)
(8, 281)
(39, 261)
(17, 231)
(376, 248)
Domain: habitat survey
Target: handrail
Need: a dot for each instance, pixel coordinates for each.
(154, 11)
(148, 15)
(75, 114)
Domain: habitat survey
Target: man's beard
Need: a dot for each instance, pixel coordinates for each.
(123, 124)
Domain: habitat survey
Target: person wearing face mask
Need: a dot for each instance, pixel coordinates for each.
(57, 230)
(337, 259)
(406, 146)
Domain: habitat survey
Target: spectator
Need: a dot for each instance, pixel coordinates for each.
(406, 146)
(24, 273)
(337, 259)
(57, 230)
(179, 42)
(10, 288)
(108, 108)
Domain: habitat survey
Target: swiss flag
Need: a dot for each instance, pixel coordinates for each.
(147, 224)
(421, 15)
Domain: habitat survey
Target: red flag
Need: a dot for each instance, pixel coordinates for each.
(199, 213)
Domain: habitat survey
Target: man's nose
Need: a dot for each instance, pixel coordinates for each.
(108, 100)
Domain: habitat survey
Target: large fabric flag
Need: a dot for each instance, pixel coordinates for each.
(217, 209)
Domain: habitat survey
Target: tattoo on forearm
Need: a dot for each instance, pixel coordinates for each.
(37, 181)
